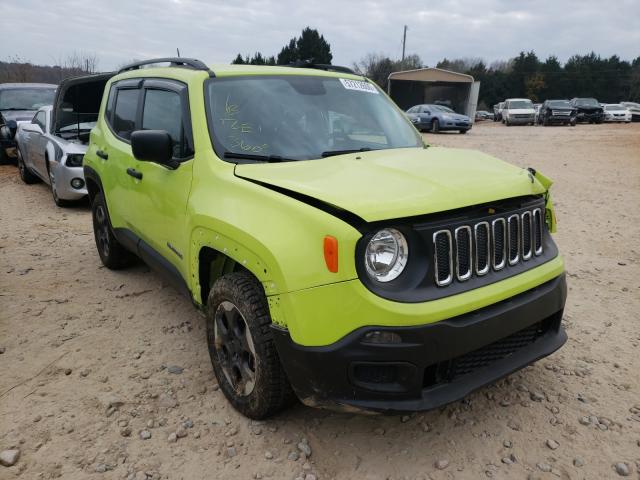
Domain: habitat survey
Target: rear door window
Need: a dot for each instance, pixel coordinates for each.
(124, 112)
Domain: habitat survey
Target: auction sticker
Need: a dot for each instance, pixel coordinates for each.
(358, 85)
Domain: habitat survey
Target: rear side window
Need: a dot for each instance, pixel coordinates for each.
(124, 112)
(163, 111)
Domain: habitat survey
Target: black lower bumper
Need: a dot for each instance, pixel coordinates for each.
(434, 364)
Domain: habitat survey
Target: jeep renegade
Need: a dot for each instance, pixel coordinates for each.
(335, 255)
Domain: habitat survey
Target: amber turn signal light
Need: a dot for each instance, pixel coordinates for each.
(331, 253)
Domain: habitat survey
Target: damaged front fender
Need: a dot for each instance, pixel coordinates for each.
(550, 214)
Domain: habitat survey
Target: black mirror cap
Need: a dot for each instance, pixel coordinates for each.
(153, 146)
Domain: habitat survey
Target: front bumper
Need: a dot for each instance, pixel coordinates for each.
(63, 176)
(435, 364)
(590, 117)
(521, 120)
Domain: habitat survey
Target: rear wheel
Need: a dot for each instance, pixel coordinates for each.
(113, 255)
(25, 174)
(435, 126)
(242, 349)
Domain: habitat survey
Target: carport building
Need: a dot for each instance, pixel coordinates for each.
(434, 85)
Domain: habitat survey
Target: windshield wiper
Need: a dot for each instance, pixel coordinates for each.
(13, 109)
(259, 158)
(331, 153)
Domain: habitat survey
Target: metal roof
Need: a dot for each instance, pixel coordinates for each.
(431, 75)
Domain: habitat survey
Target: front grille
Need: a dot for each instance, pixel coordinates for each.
(463, 252)
(523, 115)
(513, 227)
(476, 248)
(498, 350)
(449, 370)
(561, 113)
(443, 258)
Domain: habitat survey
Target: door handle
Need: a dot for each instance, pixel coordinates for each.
(102, 155)
(134, 173)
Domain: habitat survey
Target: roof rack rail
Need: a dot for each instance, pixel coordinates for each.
(173, 61)
(321, 66)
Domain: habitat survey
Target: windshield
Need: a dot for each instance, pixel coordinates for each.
(302, 117)
(560, 104)
(518, 104)
(26, 98)
(588, 102)
(614, 107)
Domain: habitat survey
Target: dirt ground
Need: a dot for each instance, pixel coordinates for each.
(85, 369)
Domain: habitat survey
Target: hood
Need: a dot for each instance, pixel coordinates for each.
(458, 116)
(78, 99)
(398, 183)
(17, 115)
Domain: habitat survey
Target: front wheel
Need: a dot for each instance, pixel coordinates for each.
(241, 346)
(463, 131)
(54, 191)
(113, 255)
(435, 126)
(25, 174)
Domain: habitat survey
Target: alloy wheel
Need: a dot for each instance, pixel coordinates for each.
(235, 348)
(102, 229)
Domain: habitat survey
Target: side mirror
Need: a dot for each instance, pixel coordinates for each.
(153, 146)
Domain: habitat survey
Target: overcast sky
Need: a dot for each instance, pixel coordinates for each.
(43, 31)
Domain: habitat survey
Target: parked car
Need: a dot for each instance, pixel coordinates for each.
(557, 112)
(518, 111)
(615, 112)
(345, 262)
(483, 115)
(497, 112)
(18, 102)
(634, 110)
(588, 110)
(438, 118)
(51, 146)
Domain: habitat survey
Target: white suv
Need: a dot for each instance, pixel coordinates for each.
(518, 111)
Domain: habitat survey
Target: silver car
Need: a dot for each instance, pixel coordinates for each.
(54, 157)
(52, 145)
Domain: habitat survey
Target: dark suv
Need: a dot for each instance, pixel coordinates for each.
(588, 110)
(557, 111)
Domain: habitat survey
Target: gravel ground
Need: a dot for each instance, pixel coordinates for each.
(106, 374)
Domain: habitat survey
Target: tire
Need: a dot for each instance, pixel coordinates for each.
(462, 132)
(435, 126)
(113, 255)
(25, 174)
(573, 122)
(242, 349)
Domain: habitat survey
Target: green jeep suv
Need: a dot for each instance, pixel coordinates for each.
(336, 257)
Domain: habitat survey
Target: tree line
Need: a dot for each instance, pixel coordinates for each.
(17, 70)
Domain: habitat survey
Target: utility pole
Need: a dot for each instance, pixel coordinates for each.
(404, 42)
(178, 52)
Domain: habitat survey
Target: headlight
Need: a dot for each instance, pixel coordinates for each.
(74, 160)
(386, 255)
